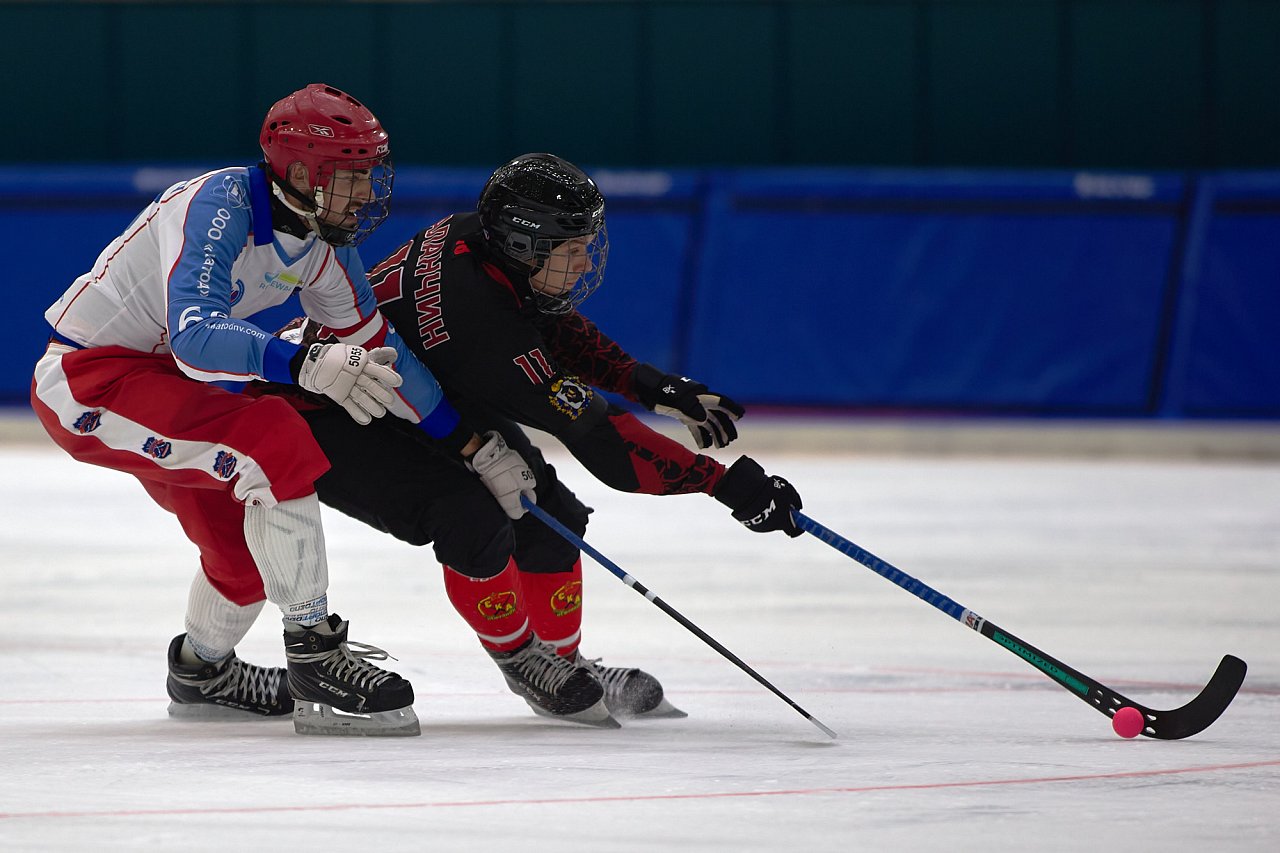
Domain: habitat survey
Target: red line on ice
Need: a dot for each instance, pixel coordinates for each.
(640, 798)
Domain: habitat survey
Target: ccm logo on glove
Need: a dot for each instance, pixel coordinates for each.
(762, 502)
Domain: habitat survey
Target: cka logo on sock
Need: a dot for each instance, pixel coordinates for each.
(497, 605)
(567, 598)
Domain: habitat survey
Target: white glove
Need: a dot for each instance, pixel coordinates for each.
(359, 380)
(504, 473)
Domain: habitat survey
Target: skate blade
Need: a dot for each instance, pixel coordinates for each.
(664, 711)
(217, 713)
(313, 718)
(597, 716)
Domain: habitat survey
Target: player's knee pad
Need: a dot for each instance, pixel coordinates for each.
(565, 506)
(477, 540)
(538, 547)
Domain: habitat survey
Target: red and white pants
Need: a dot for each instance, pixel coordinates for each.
(200, 451)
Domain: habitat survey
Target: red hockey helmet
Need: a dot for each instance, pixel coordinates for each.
(327, 130)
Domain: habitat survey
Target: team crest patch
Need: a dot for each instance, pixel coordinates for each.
(237, 291)
(156, 448)
(88, 422)
(498, 605)
(567, 598)
(570, 397)
(224, 464)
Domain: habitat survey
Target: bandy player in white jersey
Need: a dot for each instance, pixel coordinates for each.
(129, 382)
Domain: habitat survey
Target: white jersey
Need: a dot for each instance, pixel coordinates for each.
(189, 273)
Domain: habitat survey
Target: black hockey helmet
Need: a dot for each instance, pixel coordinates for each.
(533, 204)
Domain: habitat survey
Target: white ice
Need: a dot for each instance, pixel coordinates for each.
(1140, 573)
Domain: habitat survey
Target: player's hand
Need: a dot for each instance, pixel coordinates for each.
(504, 473)
(762, 502)
(359, 380)
(710, 417)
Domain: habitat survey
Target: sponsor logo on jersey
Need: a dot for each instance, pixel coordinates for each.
(280, 281)
(88, 422)
(237, 291)
(206, 270)
(156, 448)
(220, 220)
(233, 193)
(570, 397)
(498, 605)
(224, 464)
(567, 598)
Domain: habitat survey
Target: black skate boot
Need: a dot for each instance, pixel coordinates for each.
(553, 686)
(337, 692)
(228, 690)
(630, 692)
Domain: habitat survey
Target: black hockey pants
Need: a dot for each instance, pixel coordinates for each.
(391, 476)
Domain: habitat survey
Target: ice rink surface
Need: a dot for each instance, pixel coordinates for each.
(1140, 573)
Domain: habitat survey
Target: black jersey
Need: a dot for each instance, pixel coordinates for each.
(477, 329)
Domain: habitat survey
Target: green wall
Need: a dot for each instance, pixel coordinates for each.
(1151, 84)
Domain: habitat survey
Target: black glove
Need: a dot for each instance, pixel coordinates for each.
(760, 501)
(708, 416)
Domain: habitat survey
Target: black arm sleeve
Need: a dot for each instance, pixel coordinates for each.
(578, 344)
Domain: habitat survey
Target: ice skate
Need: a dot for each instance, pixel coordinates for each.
(554, 686)
(228, 690)
(337, 692)
(630, 692)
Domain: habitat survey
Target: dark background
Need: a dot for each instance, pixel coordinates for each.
(1130, 84)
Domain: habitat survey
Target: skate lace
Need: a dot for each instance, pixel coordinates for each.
(613, 678)
(543, 668)
(349, 663)
(243, 681)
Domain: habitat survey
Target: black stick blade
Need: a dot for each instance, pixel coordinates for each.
(1193, 717)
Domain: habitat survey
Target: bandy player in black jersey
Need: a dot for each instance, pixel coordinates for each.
(488, 301)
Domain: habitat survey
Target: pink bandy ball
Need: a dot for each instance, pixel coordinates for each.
(1128, 722)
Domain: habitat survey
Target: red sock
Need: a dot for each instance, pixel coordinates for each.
(554, 602)
(493, 607)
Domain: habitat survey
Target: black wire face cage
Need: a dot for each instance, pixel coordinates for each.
(337, 223)
(557, 265)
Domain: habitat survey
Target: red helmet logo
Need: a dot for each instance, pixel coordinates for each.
(324, 129)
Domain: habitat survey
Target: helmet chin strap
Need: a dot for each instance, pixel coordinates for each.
(292, 199)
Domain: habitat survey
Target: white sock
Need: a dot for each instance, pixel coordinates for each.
(214, 624)
(287, 543)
